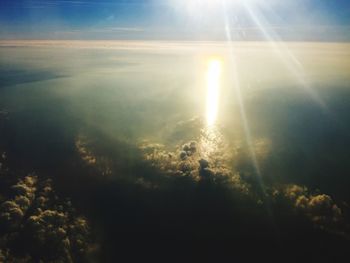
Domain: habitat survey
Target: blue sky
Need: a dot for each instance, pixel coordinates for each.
(327, 20)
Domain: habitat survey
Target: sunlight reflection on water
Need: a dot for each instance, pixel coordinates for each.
(210, 142)
(213, 90)
(211, 138)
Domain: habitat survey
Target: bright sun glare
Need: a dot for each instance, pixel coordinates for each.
(213, 88)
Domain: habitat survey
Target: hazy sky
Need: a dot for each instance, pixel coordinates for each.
(175, 19)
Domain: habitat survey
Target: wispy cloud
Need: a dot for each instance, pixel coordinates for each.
(43, 4)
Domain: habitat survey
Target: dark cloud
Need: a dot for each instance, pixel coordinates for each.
(193, 161)
(47, 225)
(13, 211)
(187, 161)
(319, 208)
(84, 147)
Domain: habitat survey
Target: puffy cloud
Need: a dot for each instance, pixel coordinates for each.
(53, 230)
(320, 208)
(84, 152)
(211, 158)
(79, 234)
(23, 201)
(12, 211)
(205, 160)
(49, 231)
(91, 159)
(178, 162)
(56, 227)
(190, 160)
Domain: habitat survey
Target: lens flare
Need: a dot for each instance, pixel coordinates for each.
(213, 90)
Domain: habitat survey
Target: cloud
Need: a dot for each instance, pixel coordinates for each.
(12, 211)
(86, 155)
(46, 223)
(319, 208)
(209, 159)
(90, 158)
(187, 161)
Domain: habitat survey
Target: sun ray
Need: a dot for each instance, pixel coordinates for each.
(237, 89)
(280, 48)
